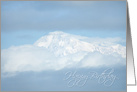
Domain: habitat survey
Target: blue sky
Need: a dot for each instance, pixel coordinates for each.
(22, 20)
(35, 68)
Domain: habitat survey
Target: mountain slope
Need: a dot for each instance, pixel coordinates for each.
(63, 44)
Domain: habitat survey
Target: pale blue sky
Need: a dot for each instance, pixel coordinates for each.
(25, 22)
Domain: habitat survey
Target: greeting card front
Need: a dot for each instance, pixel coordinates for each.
(63, 46)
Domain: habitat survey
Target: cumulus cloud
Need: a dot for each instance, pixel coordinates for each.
(59, 50)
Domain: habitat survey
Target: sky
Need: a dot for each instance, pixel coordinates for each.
(25, 22)
(42, 40)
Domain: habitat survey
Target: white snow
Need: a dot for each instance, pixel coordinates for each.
(63, 44)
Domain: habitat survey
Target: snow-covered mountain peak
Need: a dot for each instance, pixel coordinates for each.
(55, 38)
(62, 44)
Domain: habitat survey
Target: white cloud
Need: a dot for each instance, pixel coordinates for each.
(59, 50)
